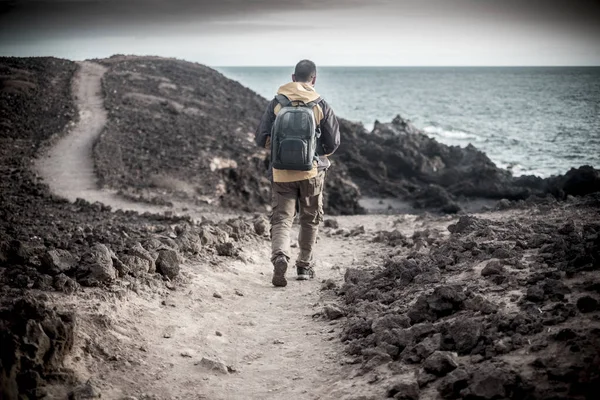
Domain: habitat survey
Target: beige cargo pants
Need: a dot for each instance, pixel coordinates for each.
(309, 194)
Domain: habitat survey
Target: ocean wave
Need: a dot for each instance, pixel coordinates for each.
(450, 134)
(519, 170)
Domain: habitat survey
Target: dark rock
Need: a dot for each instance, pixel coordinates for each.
(389, 322)
(453, 383)
(444, 301)
(480, 303)
(331, 223)
(420, 351)
(565, 334)
(425, 378)
(358, 230)
(35, 341)
(333, 312)
(464, 335)
(440, 363)
(134, 265)
(19, 252)
(227, 249)
(167, 263)
(503, 204)
(139, 251)
(261, 226)
(467, 224)
(55, 262)
(488, 382)
(96, 266)
(535, 294)
(187, 241)
(580, 181)
(405, 389)
(436, 197)
(64, 284)
(493, 268)
(329, 284)
(587, 304)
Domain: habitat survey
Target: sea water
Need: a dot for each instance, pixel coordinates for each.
(531, 120)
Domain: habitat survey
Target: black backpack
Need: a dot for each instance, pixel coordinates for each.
(294, 136)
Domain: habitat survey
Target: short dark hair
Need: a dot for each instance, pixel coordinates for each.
(305, 71)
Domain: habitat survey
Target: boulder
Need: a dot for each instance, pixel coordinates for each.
(493, 267)
(464, 334)
(167, 263)
(440, 363)
(59, 261)
(96, 266)
(139, 251)
(261, 226)
(227, 249)
(404, 388)
(331, 223)
(135, 265)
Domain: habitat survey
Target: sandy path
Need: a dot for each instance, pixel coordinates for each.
(68, 166)
(268, 335)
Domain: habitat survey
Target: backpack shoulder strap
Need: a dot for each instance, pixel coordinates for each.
(313, 103)
(283, 100)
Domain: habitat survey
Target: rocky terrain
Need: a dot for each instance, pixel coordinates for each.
(48, 244)
(504, 307)
(96, 302)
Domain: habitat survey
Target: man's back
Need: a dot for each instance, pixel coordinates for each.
(303, 184)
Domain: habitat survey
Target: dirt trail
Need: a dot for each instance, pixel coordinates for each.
(149, 344)
(68, 166)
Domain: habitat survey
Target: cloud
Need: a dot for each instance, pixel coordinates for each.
(342, 31)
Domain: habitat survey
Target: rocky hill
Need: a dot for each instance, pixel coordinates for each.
(182, 129)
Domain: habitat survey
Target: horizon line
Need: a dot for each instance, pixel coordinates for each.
(412, 66)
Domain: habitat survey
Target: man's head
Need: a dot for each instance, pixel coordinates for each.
(306, 72)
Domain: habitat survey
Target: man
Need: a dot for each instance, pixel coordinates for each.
(302, 185)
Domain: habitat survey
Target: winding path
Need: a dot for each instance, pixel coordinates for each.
(68, 167)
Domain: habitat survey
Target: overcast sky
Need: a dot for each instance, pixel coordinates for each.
(335, 32)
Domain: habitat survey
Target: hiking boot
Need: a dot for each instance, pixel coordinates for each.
(279, 269)
(305, 273)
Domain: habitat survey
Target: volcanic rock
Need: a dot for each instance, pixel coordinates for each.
(587, 304)
(139, 251)
(405, 389)
(135, 265)
(227, 249)
(444, 300)
(440, 363)
(58, 261)
(333, 312)
(35, 341)
(462, 335)
(96, 266)
(167, 263)
(492, 268)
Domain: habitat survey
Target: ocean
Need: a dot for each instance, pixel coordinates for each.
(531, 120)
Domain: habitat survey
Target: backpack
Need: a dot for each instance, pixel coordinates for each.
(294, 136)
